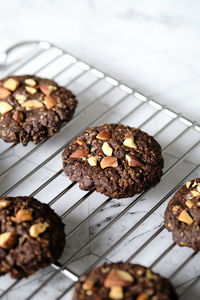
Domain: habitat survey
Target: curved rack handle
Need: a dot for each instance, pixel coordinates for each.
(4, 54)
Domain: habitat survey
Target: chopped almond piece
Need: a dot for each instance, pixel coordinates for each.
(185, 217)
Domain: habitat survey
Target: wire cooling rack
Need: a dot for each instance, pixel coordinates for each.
(98, 228)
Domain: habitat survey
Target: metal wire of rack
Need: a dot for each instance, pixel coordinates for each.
(118, 224)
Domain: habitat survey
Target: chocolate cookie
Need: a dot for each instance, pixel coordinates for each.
(182, 215)
(115, 160)
(123, 281)
(32, 108)
(31, 236)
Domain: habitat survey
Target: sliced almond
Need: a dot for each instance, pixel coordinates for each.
(104, 135)
(129, 142)
(30, 90)
(47, 89)
(37, 229)
(4, 93)
(109, 161)
(195, 193)
(116, 292)
(80, 153)
(11, 84)
(49, 102)
(107, 150)
(5, 107)
(30, 82)
(189, 204)
(142, 297)
(132, 161)
(32, 104)
(23, 215)
(18, 116)
(118, 278)
(198, 188)
(92, 160)
(88, 285)
(188, 184)
(185, 217)
(4, 204)
(8, 240)
(20, 98)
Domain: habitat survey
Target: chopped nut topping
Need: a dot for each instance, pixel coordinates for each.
(32, 104)
(22, 216)
(104, 135)
(118, 278)
(80, 153)
(30, 90)
(5, 107)
(89, 292)
(92, 160)
(107, 150)
(47, 89)
(8, 240)
(93, 149)
(185, 217)
(198, 188)
(18, 116)
(194, 184)
(4, 204)
(142, 297)
(88, 285)
(189, 204)
(20, 98)
(109, 161)
(49, 102)
(129, 142)
(105, 269)
(132, 161)
(11, 84)
(30, 82)
(175, 208)
(80, 142)
(37, 229)
(195, 193)
(150, 275)
(4, 93)
(140, 272)
(116, 292)
(188, 184)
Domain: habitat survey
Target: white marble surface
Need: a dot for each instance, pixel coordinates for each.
(144, 45)
(151, 44)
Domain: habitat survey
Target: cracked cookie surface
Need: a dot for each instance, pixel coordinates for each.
(123, 281)
(115, 160)
(31, 236)
(33, 108)
(182, 215)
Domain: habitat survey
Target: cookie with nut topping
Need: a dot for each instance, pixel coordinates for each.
(31, 236)
(123, 281)
(182, 215)
(115, 160)
(33, 108)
